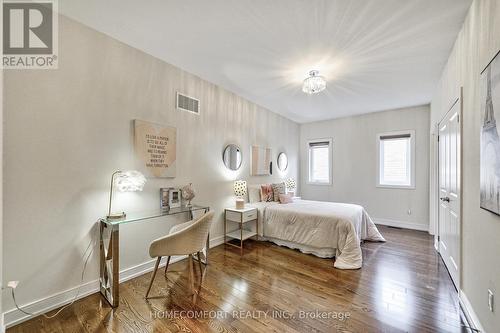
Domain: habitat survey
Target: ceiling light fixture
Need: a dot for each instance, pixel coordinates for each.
(314, 83)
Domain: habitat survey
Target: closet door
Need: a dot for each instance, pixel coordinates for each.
(449, 191)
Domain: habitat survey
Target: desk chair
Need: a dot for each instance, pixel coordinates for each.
(184, 239)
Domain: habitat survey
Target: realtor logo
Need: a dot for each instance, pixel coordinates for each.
(29, 34)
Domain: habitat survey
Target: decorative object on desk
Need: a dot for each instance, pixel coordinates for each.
(231, 156)
(291, 185)
(174, 198)
(164, 198)
(155, 148)
(261, 161)
(490, 141)
(240, 190)
(125, 181)
(188, 194)
(282, 162)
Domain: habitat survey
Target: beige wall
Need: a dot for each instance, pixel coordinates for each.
(355, 165)
(67, 130)
(477, 43)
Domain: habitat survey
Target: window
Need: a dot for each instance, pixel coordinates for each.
(397, 159)
(320, 162)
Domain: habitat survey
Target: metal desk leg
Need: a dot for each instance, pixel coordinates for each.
(109, 263)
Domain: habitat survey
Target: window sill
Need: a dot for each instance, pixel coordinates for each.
(320, 184)
(397, 187)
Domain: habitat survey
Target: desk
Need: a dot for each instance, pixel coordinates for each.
(110, 247)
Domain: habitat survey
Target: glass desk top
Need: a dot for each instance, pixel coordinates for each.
(138, 216)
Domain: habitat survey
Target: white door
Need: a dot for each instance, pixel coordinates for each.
(449, 191)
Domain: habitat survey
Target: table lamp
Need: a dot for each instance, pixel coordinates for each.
(124, 181)
(291, 185)
(240, 190)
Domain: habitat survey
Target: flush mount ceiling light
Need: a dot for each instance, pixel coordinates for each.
(314, 83)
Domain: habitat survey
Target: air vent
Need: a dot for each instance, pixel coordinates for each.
(187, 103)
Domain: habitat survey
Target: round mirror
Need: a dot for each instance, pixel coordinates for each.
(232, 157)
(282, 161)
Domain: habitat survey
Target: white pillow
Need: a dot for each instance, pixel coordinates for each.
(253, 193)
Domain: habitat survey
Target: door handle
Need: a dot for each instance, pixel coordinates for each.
(445, 199)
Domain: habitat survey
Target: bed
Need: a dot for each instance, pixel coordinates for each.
(325, 229)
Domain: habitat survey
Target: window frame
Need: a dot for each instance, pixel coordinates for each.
(330, 162)
(412, 185)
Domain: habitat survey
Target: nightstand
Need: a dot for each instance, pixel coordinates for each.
(240, 216)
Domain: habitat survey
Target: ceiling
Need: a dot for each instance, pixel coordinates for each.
(375, 54)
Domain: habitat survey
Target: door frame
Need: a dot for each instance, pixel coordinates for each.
(435, 185)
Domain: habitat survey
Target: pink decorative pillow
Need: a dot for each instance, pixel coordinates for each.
(266, 193)
(285, 198)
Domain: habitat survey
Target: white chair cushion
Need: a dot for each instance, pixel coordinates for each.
(180, 226)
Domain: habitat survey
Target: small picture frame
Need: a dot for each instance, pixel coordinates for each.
(164, 198)
(174, 198)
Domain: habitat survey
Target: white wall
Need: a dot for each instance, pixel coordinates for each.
(355, 165)
(477, 43)
(67, 130)
(1, 176)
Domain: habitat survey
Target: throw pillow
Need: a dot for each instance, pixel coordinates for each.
(278, 189)
(285, 198)
(266, 193)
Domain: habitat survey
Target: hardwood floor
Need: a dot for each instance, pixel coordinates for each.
(402, 287)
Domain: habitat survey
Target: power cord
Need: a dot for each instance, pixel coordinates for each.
(87, 257)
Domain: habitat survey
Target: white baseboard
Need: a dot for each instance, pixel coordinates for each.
(469, 312)
(402, 224)
(14, 316)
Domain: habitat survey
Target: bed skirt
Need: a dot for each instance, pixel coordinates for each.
(318, 252)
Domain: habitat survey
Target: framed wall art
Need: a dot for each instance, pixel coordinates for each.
(155, 149)
(490, 142)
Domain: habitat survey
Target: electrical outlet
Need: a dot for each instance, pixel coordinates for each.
(12, 284)
(491, 301)
(409, 211)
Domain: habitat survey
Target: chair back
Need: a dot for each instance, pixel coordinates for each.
(185, 241)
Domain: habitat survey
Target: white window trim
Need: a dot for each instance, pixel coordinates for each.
(412, 160)
(330, 165)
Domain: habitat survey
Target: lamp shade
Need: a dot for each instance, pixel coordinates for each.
(240, 188)
(129, 181)
(291, 184)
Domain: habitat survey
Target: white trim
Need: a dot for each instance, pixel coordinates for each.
(469, 312)
(397, 187)
(433, 184)
(13, 316)
(412, 158)
(457, 100)
(330, 164)
(402, 224)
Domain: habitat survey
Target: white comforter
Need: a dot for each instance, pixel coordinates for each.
(320, 228)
